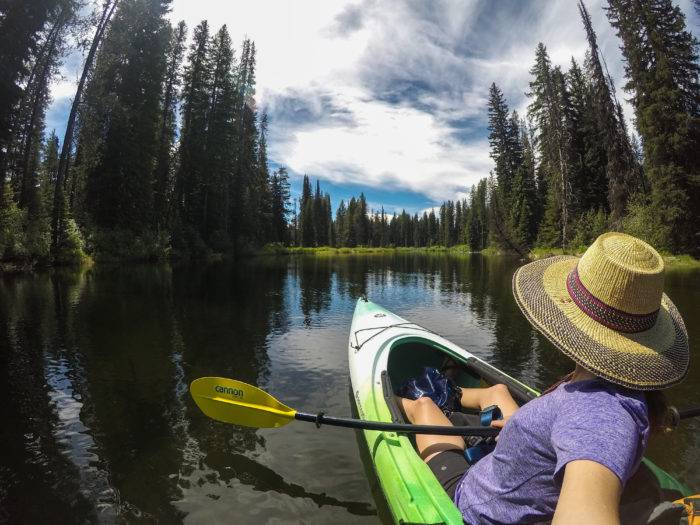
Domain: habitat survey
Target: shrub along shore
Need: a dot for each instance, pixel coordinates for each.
(461, 250)
(671, 260)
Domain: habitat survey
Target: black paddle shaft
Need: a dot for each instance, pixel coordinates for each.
(435, 430)
(689, 412)
(685, 413)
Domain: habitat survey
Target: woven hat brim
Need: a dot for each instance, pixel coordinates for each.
(654, 359)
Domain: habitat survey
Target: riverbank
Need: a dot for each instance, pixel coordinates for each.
(671, 260)
(461, 249)
(9, 267)
(33, 265)
(676, 261)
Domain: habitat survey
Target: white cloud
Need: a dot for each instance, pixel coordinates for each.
(388, 145)
(392, 94)
(292, 41)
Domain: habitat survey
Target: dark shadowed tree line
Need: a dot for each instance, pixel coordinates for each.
(164, 153)
(454, 222)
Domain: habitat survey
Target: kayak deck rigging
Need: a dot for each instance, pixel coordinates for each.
(381, 330)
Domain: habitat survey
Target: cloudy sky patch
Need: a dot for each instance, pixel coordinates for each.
(389, 97)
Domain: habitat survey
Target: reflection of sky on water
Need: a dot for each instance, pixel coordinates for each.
(75, 439)
(107, 425)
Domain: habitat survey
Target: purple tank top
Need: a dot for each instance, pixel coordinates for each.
(519, 482)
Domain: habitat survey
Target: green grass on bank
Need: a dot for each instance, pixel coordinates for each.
(675, 261)
(277, 249)
(540, 252)
(681, 261)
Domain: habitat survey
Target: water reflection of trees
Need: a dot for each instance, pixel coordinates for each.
(479, 283)
(37, 477)
(517, 348)
(482, 284)
(95, 368)
(118, 347)
(314, 275)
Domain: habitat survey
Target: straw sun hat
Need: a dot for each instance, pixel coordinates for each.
(607, 311)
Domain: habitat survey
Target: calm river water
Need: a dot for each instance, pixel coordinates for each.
(97, 422)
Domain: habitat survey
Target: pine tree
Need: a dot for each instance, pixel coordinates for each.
(478, 224)
(547, 90)
(522, 219)
(319, 217)
(220, 134)
(190, 178)
(351, 235)
(341, 224)
(507, 152)
(328, 220)
(260, 184)
(132, 60)
(620, 170)
(306, 214)
(294, 234)
(49, 168)
(662, 71)
(279, 196)
(59, 201)
(30, 112)
(246, 148)
(21, 24)
(500, 138)
(361, 221)
(163, 168)
(588, 143)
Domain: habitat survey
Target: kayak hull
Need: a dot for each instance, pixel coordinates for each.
(379, 341)
(412, 493)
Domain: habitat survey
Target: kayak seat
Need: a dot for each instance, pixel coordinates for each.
(643, 501)
(408, 358)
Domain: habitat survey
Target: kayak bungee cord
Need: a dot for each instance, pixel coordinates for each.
(383, 329)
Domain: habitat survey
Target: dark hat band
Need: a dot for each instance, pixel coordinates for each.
(605, 314)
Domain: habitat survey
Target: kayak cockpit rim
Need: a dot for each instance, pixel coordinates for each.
(412, 352)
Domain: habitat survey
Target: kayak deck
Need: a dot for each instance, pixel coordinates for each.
(386, 350)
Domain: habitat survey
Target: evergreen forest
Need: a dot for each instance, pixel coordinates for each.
(165, 152)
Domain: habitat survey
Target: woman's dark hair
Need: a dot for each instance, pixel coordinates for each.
(553, 387)
(659, 414)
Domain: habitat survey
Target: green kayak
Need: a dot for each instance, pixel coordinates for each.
(383, 351)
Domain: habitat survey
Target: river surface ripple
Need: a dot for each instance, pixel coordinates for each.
(97, 422)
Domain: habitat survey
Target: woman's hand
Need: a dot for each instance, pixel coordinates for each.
(498, 423)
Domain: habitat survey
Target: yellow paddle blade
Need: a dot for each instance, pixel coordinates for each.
(239, 403)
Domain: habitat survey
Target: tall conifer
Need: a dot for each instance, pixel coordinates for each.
(190, 188)
(662, 71)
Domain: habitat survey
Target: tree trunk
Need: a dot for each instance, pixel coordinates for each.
(70, 125)
(40, 88)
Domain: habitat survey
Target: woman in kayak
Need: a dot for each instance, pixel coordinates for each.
(567, 455)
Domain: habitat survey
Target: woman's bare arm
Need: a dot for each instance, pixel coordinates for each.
(590, 494)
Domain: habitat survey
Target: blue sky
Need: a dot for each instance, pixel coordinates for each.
(389, 97)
